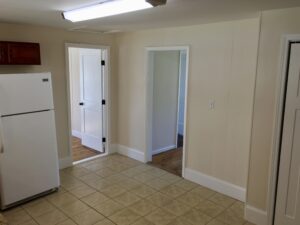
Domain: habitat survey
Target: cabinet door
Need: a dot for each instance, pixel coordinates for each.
(24, 54)
(3, 53)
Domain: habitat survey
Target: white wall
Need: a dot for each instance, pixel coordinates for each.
(182, 79)
(74, 68)
(165, 99)
(222, 67)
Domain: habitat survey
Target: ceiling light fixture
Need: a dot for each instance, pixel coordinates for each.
(109, 9)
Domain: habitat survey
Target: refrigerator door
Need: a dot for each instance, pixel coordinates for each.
(29, 161)
(21, 93)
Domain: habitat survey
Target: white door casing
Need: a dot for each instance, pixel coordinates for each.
(91, 86)
(288, 193)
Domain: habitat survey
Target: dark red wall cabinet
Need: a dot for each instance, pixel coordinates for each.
(19, 53)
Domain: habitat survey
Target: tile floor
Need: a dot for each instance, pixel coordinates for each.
(116, 190)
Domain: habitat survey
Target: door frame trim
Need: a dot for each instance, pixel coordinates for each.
(106, 111)
(281, 88)
(149, 100)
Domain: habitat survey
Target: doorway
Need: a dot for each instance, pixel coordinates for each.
(166, 101)
(287, 191)
(87, 101)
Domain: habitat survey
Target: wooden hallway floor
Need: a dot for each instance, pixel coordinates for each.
(81, 152)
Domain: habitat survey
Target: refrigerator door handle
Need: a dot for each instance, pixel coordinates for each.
(1, 137)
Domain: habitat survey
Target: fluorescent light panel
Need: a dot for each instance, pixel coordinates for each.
(106, 9)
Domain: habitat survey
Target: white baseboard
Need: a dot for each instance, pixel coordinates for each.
(216, 184)
(65, 162)
(157, 151)
(256, 216)
(76, 133)
(113, 148)
(131, 153)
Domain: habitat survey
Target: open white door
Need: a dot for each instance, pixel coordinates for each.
(288, 194)
(91, 98)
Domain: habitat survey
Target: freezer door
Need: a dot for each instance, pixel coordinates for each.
(29, 161)
(21, 93)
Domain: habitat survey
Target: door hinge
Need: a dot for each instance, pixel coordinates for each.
(104, 140)
(103, 102)
(102, 62)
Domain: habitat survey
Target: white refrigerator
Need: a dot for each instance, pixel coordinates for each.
(28, 146)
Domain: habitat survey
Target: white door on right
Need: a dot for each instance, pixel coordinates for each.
(91, 86)
(288, 193)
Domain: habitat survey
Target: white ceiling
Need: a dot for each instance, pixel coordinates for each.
(175, 13)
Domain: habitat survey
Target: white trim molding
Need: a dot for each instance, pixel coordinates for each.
(256, 216)
(168, 148)
(131, 153)
(65, 162)
(216, 184)
(76, 133)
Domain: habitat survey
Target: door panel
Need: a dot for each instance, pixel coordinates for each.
(91, 96)
(288, 195)
(29, 162)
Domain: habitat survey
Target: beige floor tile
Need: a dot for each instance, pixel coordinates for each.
(132, 172)
(39, 208)
(157, 183)
(160, 217)
(51, 218)
(16, 216)
(124, 217)
(143, 207)
(30, 222)
(159, 199)
(74, 208)
(185, 184)
(113, 190)
(82, 191)
(105, 222)
(143, 221)
(190, 198)
(76, 171)
(171, 178)
(238, 209)
(209, 208)
(127, 199)
(203, 192)
(177, 208)
(108, 207)
(105, 172)
(88, 177)
(94, 199)
(34, 202)
(180, 221)
(89, 217)
(129, 184)
(143, 191)
(94, 167)
(222, 200)
(196, 217)
(67, 222)
(172, 191)
(99, 184)
(144, 177)
(156, 172)
(229, 217)
(117, 178)
(216, 222)
(61, 199)
(119, 167)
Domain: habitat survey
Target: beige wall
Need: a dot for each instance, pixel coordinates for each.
(165, 99)
(52, 43)
(275, 24)
(74, 79)
(222, 68)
